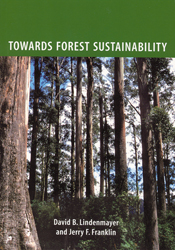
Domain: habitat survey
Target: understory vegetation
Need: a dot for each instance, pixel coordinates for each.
(130, 230)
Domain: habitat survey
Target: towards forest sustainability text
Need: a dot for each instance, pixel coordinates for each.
(86, 46)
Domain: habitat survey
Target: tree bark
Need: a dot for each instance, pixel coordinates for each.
(57, 135)
(32, 179)
(72, 136)
(167, 178)
(107, 166)
(136, 159)
(42, 176)
(150, 208)
(158, 142)
(48, 144)
(17, 226)
(79, 164)
(160, 165)
(120, 140)
(101, 145)
(89, 150)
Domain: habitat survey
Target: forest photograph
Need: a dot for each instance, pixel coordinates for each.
(87, 153)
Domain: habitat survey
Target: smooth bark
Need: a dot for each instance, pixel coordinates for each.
(167, 178)
(136, 158)
(48, 146)
(107, 165)
(150, 207)
(120, 140)
(89, 149)
(32, 179)
(57, 135)
(79, 164)
(158, 143)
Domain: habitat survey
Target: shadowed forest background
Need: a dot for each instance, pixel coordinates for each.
(81, 112)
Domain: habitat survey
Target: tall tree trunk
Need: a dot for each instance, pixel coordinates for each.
(89, 150)
(136, 167)
(79, 164)
(160, 166)
(48, 144)
(106, 178)
(167, 178)
(17, 226)
(150, 208)
(72, 136)
(120, 140)
(158, 142)
(136, 159)
(32, 180)
(57, 135)
(101, 145)
(107, 167)
(82, 174)
(42, 176)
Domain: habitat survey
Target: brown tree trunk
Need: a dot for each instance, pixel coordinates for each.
(101, 145)
(79, 164)
(120, 140)
(107, 167)
(136, 167)
(42, 176)
(150, 208)
(72, 136)
(48, 145)
(82, 174)
(159, 150)
(136, 159)
(57, 135)
(167, 178)
(89, 150)
(32, 179)
(160, 166)
(17, 226)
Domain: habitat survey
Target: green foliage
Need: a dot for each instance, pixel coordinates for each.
(161, 120)
(134, 237)
(44, 212)
(166, 231)
(129, 231)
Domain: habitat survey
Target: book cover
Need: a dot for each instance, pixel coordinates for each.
(87, 124)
